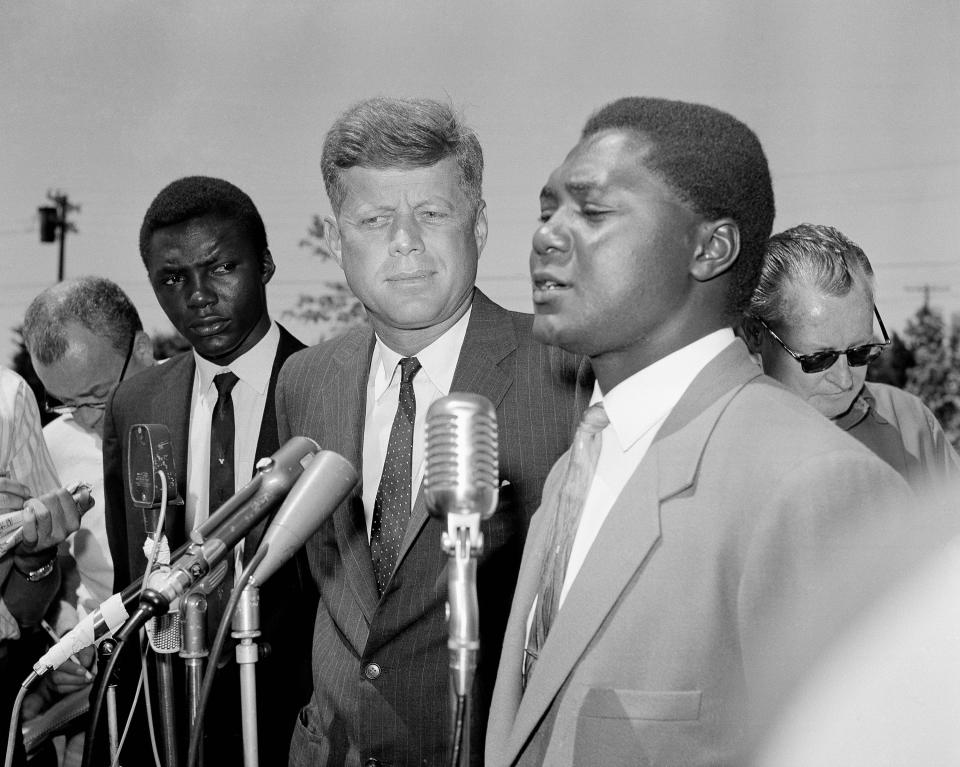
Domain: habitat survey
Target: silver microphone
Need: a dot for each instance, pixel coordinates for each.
(461, 487)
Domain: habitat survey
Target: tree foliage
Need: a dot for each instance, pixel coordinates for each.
(934, 376)
(336, 309)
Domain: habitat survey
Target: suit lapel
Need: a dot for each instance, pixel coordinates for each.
(345, 406)
(489, 339)
(268, 441)
(629, 534)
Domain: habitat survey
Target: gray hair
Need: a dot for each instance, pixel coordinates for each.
(96, 303)
(808, 254)
(390, 132)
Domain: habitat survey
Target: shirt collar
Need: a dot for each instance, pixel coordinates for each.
(643, 400)
(438, 361)
(253, 367)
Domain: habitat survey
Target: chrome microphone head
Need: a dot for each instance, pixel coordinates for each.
(462, 473)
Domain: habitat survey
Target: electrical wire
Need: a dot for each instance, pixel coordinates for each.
(15, 716)
(457, 741)
(99, 693)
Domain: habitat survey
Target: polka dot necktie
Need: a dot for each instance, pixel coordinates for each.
(391, 510)
(222, 483)
(563, 529)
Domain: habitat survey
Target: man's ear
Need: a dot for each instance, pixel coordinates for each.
(142, 356)
(267, 267)
(717, 249)
(480, 226)
(752, 332)
(331, 239)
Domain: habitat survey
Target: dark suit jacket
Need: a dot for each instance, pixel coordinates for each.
(162, 394)
(671, 630)
(380, 666)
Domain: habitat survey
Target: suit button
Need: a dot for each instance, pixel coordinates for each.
(371, 671)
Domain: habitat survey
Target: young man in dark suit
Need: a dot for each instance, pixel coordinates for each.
(205, 249)
(409, 224)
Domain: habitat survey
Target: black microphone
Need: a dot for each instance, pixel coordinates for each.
(149, 453)
(275, 477)
(461, 487)
(150, 457)
(322, 487)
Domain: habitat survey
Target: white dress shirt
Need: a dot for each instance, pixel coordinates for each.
(637, 408)
(438, 362)
(249, 399)
(78, 457)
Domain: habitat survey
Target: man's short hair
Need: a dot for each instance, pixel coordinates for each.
(96, 303)
(713, 162)
(404, 133)
(198, 197)
(809, 254)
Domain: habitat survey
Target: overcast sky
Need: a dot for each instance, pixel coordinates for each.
(857, 104)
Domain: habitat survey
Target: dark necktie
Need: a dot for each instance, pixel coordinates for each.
(391, 510)
(563, 528)
(222, 484)
(222, 433)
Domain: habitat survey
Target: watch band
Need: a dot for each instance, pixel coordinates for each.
(40, 573)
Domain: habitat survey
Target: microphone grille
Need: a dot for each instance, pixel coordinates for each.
(462, 455)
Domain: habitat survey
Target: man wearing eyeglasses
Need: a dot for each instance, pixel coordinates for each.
(84, 336)
(813, 322)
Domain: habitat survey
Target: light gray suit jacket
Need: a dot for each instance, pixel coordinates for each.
(665, 634)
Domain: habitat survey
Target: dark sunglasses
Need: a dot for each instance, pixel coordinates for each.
(56, 407)
(857, 356)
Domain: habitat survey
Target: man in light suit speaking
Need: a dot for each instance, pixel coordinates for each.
(404, 178)
(698, 494)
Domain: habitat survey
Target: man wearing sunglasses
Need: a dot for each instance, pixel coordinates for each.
(813, 322)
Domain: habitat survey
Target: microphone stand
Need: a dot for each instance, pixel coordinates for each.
(104, 650)
(194, 652)
(246, 628)
(463, 543)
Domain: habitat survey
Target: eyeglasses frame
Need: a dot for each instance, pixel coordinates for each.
(805, 358)
(51, 406)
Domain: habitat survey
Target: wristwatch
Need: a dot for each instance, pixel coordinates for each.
(40, 573)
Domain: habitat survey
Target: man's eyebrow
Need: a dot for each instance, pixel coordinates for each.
(581, 188)
(547, 195)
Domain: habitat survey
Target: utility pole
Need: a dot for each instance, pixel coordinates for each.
(54, 224)
(926, 289)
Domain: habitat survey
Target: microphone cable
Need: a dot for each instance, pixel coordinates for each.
(457, 743)
(15, 716)
(217, 648)
(99, 693)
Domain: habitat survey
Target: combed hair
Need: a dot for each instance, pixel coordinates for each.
(808, 254)
(96, 303)
(405, 133)
(713, 162)
(201, 196)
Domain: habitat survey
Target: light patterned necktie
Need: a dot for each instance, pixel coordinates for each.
(391, 510)
(563, 528)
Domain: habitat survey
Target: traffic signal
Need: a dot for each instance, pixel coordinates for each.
(49, 221)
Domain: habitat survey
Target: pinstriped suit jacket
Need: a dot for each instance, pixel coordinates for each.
(380, 666)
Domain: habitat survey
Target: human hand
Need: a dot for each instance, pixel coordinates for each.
(13, 494)
(71, 676)
(49, 519)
